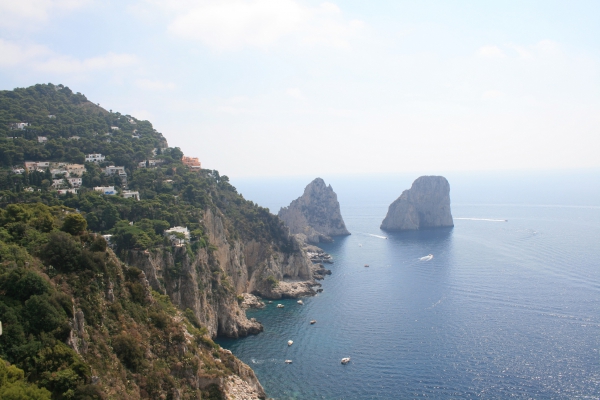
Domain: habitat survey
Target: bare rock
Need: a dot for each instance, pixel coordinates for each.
(425, 205)
(316, 214)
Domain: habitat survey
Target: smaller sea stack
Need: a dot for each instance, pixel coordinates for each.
(425, 205)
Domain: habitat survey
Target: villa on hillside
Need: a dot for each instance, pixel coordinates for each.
(192, 162)
(42, 139)
(130, 194)
(178, 235)
(95, 158)
(108, 190)
(19, 125)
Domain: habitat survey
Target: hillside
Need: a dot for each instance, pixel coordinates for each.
(119, 263)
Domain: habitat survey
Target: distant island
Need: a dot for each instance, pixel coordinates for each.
(315, 216)
(425, 205)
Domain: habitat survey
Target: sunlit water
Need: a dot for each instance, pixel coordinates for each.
(504, 309)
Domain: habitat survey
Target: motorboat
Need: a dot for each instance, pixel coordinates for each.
(280, 306)
(300, 302)
(366, 265)
(288, 361)
(345, 360)
(314, 321)
(290, 342)
(426, 258)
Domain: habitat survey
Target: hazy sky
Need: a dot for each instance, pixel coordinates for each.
(294, 87)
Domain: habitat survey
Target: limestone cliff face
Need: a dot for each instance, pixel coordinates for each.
(316, 214)
(425, 205)
(209, 282)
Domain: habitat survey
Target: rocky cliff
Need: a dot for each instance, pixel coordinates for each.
(211, 282)
(316, 214)
(425, 205)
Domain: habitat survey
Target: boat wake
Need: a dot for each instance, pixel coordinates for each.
(484, 219)
(377, 236)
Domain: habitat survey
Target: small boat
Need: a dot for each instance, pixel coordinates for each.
(290, 342)
(280, 306)
(426, 258)
(366, 265)
(314, 321)
(288, 361)
(270, 302)
(300, 302)
(345, 360)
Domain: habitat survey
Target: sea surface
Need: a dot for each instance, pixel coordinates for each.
(509, 305)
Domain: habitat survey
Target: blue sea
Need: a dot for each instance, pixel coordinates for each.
(509, 306)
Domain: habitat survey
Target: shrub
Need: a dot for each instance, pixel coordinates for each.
(128, 351)
(62, 252)
(22, 284)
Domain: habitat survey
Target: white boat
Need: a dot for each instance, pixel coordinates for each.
(426, 258)
(314, 321)
(290, 342)
(345, 360)
(300, 302)
(288, 361)
(280, 305)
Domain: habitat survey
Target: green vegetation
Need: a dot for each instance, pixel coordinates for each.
(71, 309)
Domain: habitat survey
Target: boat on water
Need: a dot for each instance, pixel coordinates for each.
(366, 265)
(314, 321)
(300, 302)
(426, 258)
(280, 306)
(290, 342)
(288, 361)
(345, 360)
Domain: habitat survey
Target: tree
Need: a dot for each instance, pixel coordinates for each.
(74, 224)
(62, 252)
(14, 387)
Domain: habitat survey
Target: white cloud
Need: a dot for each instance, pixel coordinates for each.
(492, 94)
(12, 54)
(29, 13)
(40, 58)
(233, 24)
(149, 84)
(491, 52)
(67, 64)
(295, 93)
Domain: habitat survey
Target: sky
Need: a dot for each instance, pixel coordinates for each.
(293, 87)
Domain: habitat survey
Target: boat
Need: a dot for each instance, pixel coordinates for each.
(270, 302)
(280, 305)
(426, 258)
(300, 302)
(290, 342)
(345, 360)
(288, 361)
(314, 321)
(366, 265)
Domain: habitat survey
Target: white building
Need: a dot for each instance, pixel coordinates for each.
(43, 164)
(178, 229)
(108, 190)
(135, 136)
(112, 170)
(75, 182)
(96, 158)
(65, 191)
(114, 128)
(56, 172)
(51, 116)
(42, 139)
(130, 194)
(74, 138)
(18, 171)
(56, 183)
(75, 169)
(20, 125)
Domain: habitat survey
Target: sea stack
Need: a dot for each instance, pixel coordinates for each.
(316, 214)
(425, 205)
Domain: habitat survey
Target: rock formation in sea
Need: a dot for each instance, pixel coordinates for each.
(425, 205)
(315, 216)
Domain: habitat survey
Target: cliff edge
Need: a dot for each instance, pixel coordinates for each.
(316, 214)
(425, 205)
